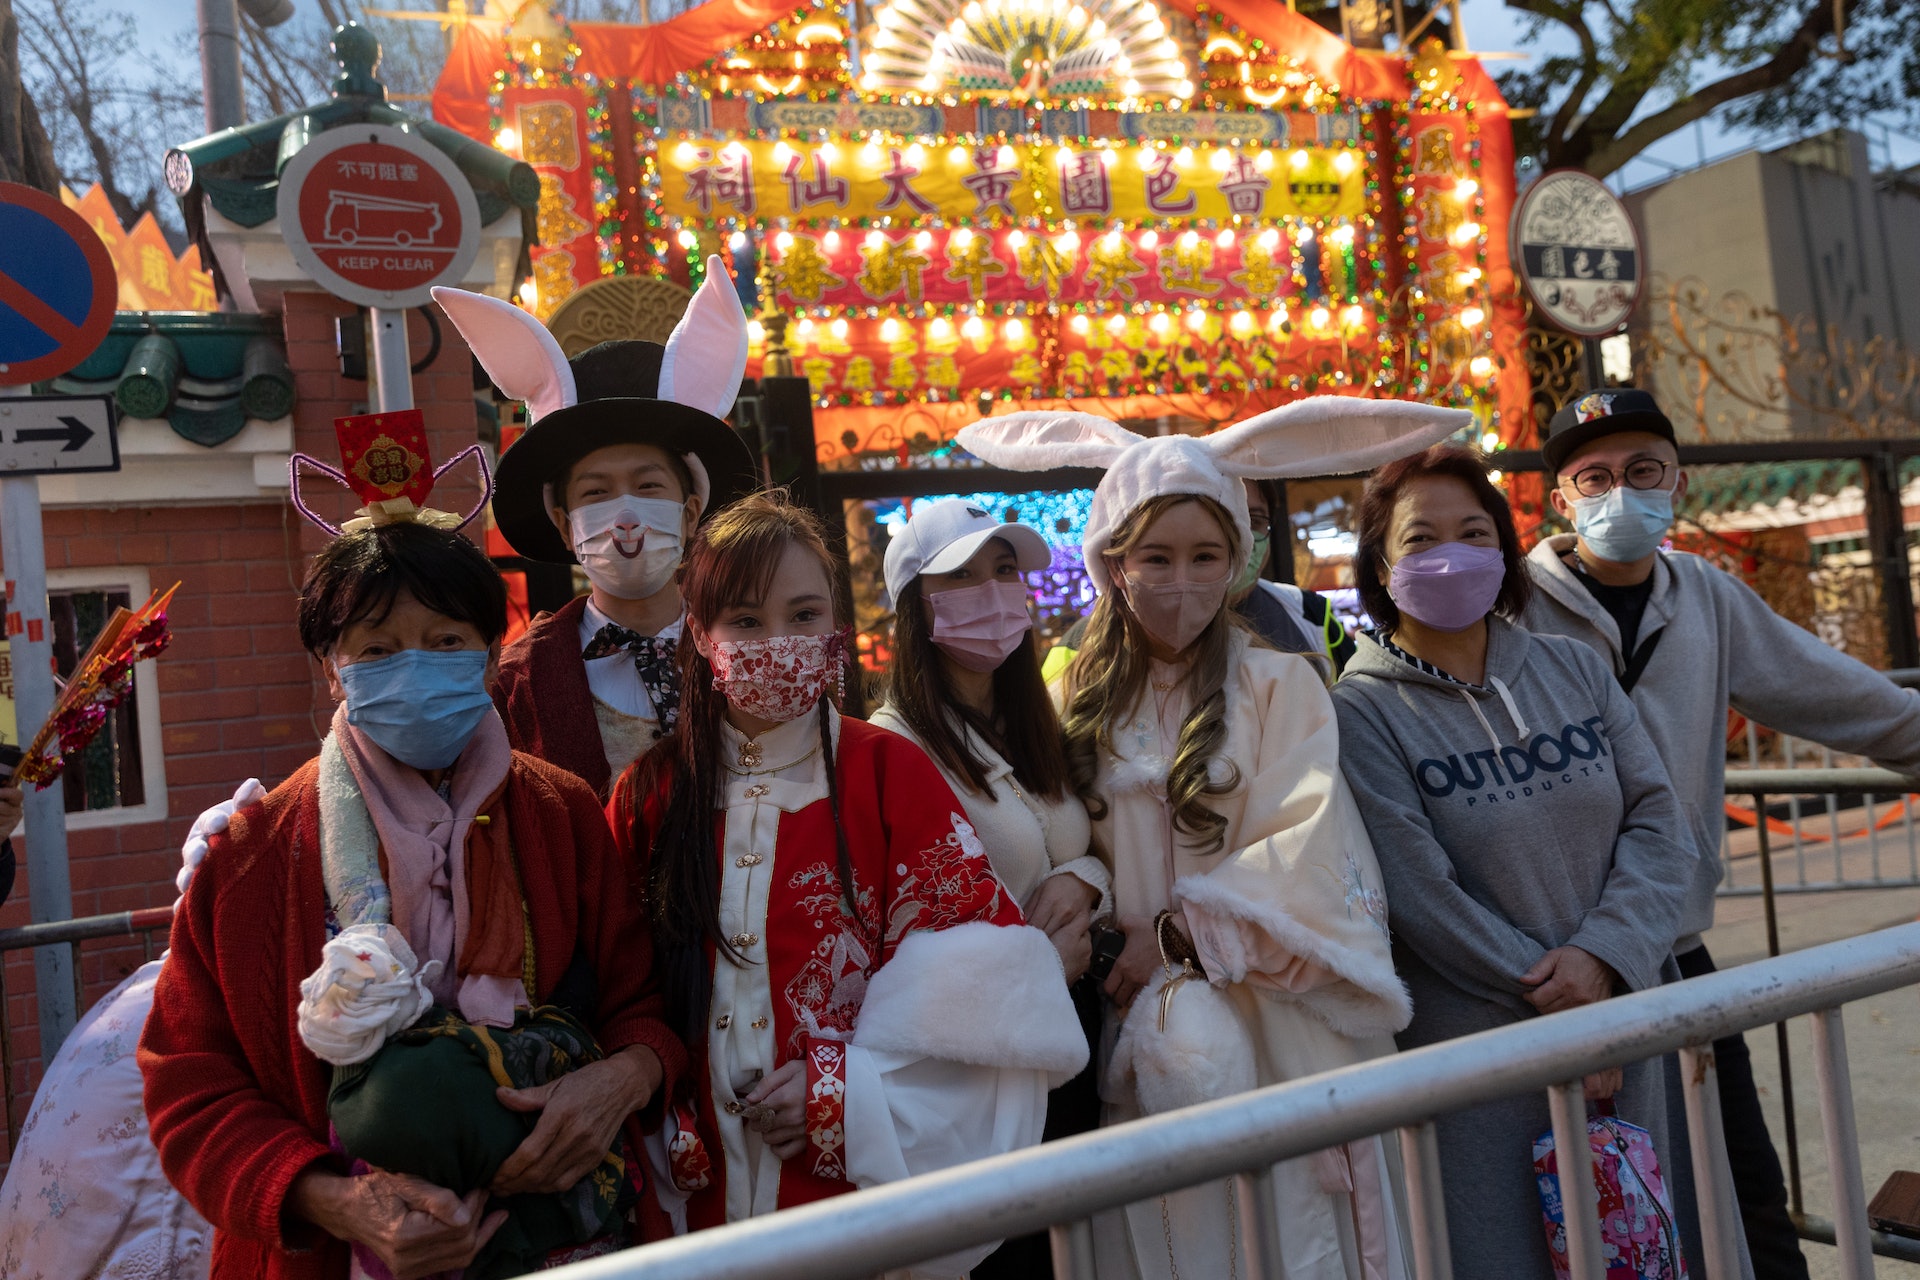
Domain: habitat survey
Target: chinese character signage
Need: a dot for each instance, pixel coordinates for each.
(548, 125)
(760, 182)
(1577, 251)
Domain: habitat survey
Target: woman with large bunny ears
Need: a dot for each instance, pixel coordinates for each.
(1256, 938)
(625, 451)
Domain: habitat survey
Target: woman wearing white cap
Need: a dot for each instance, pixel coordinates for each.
(965, 686)
(1211, 767)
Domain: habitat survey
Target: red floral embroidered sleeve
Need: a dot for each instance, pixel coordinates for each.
(938, 873)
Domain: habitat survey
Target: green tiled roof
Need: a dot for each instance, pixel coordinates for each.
(205, 373)
(1724, 489)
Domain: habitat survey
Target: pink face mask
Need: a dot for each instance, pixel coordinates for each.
(780, 678)
(979, 626)
(1175, 613)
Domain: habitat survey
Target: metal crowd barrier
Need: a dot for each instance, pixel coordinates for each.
(69, 933)
(1058, 1185)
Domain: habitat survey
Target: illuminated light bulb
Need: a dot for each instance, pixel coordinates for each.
(882, 39)
(1146, 156)
(1148, 239)
(1131, 88)
(529, 294)
(840, 328)
(1154, 29)
(1269, 239)
(737, 241)
(1472, 317)
(975, 328)
(1241, 324)
(806, 329)
(1466, 233)
(957, 27)
(782, 152)
(1107, 157)
(1342, 236)
(685, 153)
(1016, 239)
(832, 241)
(507, 139)
(1186, 88)
(962, 238)
(973, 11)
(924, 240)
(1184, 156)
(1493, 476)
(958, 155)
(1351, 313)
(1080, 324)
(1167, 49)
(889, 330)
(1224, 239)
(827, 151)
(1469, 276)
(1064, 155)
(1098, 30)
(1343, 163)
(1160, 322)
(756, 332)
(783, 241)
(687, 239)
(940, 329)
(870, 154)
(890, 17)
(1276, 321)
(1015, 330)
(1319, 317)
(1005, 157)
(1480, 366)
(875, 240)
(1263, 161)
(1067, 241)
(1196, 320)
(1304, 235)
(736, 149)
(1299, 159)
(1112, 240)
(929, 83)
(1465, 187)
(1188, 239)
(916, 155)
(1174, 104)
(1220, 161)
(1122, 65)
(1489, 442)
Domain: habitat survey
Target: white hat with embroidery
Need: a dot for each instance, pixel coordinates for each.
(1318, 436)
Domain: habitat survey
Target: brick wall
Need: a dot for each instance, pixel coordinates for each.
(239, 697)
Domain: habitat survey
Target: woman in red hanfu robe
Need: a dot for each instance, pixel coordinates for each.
(861, 997)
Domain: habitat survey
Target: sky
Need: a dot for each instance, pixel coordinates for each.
(1490, 27)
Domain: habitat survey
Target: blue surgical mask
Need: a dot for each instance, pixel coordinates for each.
(1624, 524)
(419, 706)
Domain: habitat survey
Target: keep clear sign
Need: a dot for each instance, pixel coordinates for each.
(1578, 253)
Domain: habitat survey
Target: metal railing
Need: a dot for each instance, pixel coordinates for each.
(1058, 1185)
(69, 933)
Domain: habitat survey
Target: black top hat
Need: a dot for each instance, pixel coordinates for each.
(1602, 413)
(617, 384)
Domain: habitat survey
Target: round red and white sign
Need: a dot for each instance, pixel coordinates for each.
(378, 216)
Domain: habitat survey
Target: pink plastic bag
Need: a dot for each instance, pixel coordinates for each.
(1638, 1237)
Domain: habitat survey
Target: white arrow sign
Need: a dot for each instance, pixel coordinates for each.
(42, 434)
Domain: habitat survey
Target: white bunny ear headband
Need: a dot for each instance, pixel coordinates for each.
(1318, 436)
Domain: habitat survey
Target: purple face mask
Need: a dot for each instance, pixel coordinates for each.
(1449, 587)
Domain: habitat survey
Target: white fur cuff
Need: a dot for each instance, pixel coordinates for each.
(982, 994)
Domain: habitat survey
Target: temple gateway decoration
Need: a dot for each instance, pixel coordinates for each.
(1167, 207)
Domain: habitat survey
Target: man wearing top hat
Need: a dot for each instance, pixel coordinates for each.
(1687, 641)
(625, 452)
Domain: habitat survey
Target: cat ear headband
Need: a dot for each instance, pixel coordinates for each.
(1318, 436)
(388, 465)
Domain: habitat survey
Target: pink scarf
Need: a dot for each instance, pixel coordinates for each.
(419, 832)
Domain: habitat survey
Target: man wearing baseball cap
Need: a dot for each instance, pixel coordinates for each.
(1687, 641)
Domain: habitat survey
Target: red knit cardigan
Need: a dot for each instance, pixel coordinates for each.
(237, 1104)
(543, 696)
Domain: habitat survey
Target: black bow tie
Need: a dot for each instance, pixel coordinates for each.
(653, 660)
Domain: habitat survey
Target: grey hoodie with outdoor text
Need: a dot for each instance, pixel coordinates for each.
(1723, 646)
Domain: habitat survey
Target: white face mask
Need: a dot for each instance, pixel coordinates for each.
(629, 547)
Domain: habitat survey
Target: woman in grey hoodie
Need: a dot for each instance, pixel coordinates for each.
(1530, 843)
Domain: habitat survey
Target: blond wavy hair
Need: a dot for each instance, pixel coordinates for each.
(1108, 677)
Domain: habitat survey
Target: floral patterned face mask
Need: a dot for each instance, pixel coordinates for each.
(780, 678)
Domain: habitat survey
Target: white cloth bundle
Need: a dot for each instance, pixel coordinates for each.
(369, 986)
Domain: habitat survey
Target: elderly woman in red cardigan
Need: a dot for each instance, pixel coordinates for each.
(347, 872)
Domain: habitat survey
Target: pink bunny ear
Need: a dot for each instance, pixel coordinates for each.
(514, 348)
(1036, 439)
(1330, 436)
(707, 351)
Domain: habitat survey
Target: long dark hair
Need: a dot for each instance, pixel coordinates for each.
(731, 561)
(1375, 523)
(1023, 727)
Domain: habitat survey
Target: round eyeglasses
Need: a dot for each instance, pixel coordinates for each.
(1641, 473)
